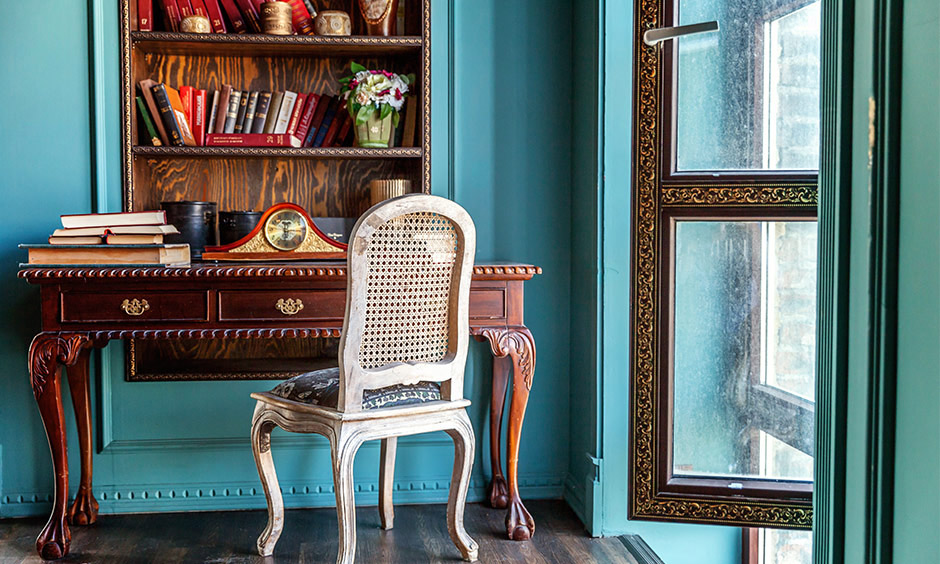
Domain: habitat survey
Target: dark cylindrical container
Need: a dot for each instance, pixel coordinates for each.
(233, 225)
(197, 223)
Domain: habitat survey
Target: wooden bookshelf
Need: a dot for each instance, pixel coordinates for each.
(324, 181)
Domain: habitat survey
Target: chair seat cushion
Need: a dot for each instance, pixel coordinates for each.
(321, 387)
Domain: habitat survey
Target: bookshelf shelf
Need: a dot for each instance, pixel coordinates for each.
(279, 152)
(256, 45)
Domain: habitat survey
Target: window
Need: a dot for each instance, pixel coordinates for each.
(724, 267)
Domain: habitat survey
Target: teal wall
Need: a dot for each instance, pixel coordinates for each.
(184, 445)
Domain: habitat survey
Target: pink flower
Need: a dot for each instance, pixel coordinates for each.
(397, 94)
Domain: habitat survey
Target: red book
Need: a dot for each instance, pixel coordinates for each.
(309, 109)
(322, 105)
(199, 116)
(215, 16)
(250, 15)
(344, 129)
(296, 114)
(300, 17)
(171, 11)
(144, 15)
(186, 9)
(333, 129)
(199, 8)
(186, 96)
(248, 140)
(234, 16)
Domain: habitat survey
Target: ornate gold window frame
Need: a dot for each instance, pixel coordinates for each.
(659, 197)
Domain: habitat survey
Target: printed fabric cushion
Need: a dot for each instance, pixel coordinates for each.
(321, 387)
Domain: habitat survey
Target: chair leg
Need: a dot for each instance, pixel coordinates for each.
(261, 428)
(343, 450)
(464, 442)
(387, 482)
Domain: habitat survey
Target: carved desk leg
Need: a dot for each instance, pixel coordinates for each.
(84, 510)
(499, 493)
(46, 353)
(517, 344)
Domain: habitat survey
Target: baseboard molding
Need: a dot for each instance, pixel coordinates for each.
(640, 551)
(574, 496)
(220, 496)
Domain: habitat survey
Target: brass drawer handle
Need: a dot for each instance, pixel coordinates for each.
(289, 306)
(135, 307)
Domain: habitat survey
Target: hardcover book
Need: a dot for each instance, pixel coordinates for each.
(144, 15)
(231, 115)
(71, 221)
(82, 240)
(337, 122)
(250, 112)
(199, 117)
(300, 17)
(344, 131)
(199, 9)
(171, 14)
(310, 107)
(215, 16)
(186, 9)
(322, 106)
(248, 140)
(220, 117)
(234, 16)
(274, 109)
(148, 124)
(103, 230)
(133, 239)
(213, 112)
(242, 108)
(285, 113)
(327, 121)
(146, 88)
(261, 113)
(174, 97)
(108, 254)
(250, 15)
(296, 114)
(411, 118)
(167, 115)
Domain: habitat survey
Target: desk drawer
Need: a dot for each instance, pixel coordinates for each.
(282, 305)
(134, 307)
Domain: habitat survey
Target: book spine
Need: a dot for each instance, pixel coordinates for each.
(261, 113)
(327, 122)
(322, 106)
(231, 115)
(166, 114)
(148, 124)
(199, 9)
(186, 9)
(411, 118)
(242, 109)
(186, 97)
(185, 128)
(300, 17)
(213, 112)
(250, 15)
(337, 122)
(274, 109)
(224, 96)
(171, 12)
(309, 109)
(296, 114)
(344, 127)
(248, 140)
(284, 114)
(215, 16)
(146, 86)
(199, 117)
(347, 134)
(234, 16)
(144, 15)
(250, 112)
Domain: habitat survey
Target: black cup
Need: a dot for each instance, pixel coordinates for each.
(233, 225)
(197, 223)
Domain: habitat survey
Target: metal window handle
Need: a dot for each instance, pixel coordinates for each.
(653, 36)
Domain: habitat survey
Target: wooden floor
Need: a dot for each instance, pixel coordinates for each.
(420, 535)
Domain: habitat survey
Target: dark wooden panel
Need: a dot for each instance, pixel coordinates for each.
(88, 307)
(261, 305)
(488, 303)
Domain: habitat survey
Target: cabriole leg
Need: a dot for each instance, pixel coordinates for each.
(464, 445)
(261, 429)
(387, 481)
(84, 510)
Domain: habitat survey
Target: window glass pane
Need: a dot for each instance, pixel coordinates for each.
(743, 348)
(776, 546)
(748, 95)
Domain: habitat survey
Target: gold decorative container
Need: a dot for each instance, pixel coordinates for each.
(276, 18)
(332, 22)
(381, 190)
(195, 24)
(381, 16)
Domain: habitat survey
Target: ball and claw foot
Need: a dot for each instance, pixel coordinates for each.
(54, 540)
(499, 493)
(519, 524)
(84, 510)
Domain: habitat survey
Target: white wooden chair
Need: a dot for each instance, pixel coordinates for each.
(401, 363)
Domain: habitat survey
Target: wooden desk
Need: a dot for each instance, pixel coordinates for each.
(84, 308)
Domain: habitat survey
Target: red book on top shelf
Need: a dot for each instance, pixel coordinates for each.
(250, 15)
(300, 17)
(215, 16)
(199, 8)
(186, 9)
(144, 15)
(171, 12)
(234, 16)
(248, 140)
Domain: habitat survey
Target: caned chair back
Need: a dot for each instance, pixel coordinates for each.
(410, 260)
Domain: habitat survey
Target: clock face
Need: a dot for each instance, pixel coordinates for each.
(285, 230)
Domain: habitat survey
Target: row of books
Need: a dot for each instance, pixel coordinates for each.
(232, 118)
(131, 238)
(241, 16)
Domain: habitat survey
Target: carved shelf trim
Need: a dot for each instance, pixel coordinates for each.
(260, 44)
(268, 152)
(257, 333)
(38, 274)
(732, 195)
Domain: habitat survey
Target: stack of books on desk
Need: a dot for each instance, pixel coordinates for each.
(111, 239)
